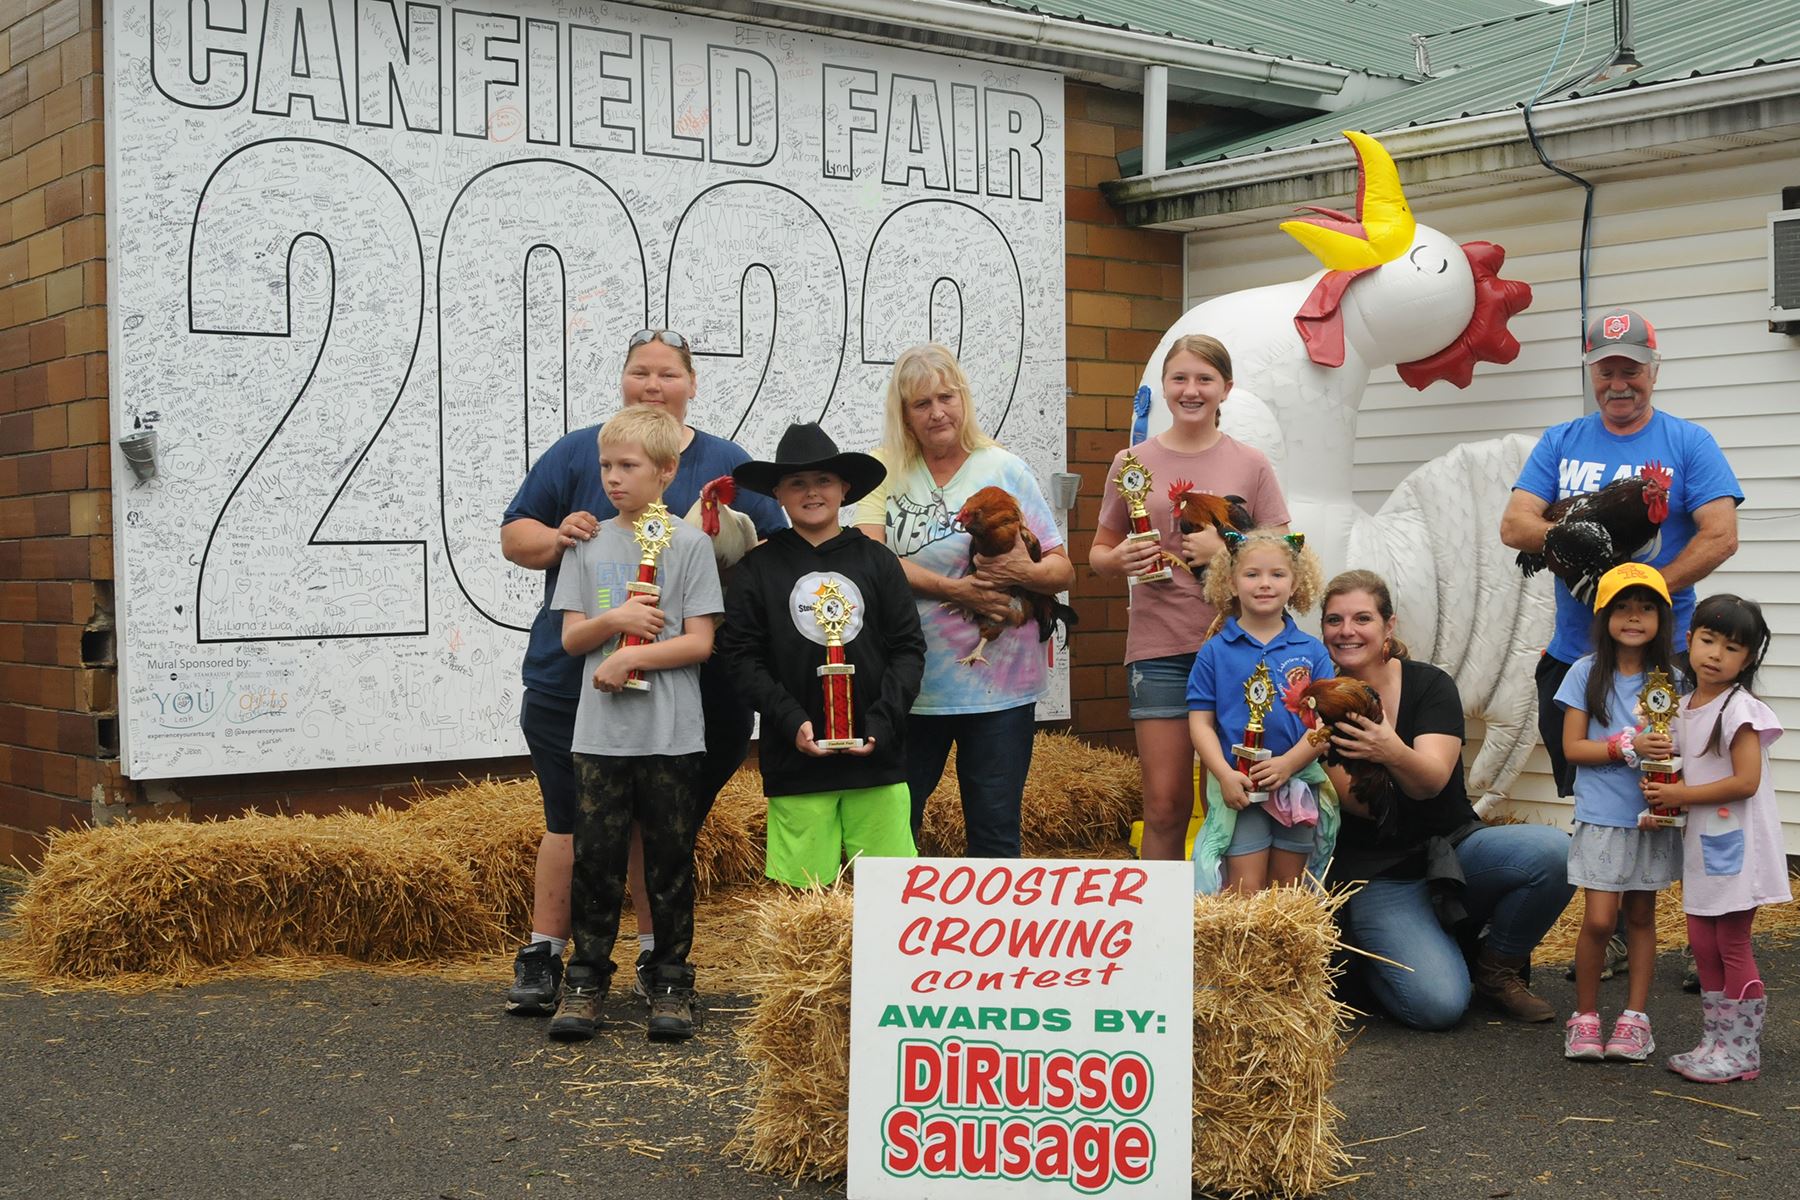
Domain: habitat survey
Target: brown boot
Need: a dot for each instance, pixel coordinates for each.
(1497, 981)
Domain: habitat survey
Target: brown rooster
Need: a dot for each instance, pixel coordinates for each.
(1198, 510)
(1320, 705)
(1593, 532)
(992, 519)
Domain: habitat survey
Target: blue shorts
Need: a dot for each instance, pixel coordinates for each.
(1256, 831)
(1159, 686)
(548, 723)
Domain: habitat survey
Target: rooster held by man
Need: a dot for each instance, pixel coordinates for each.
(1592, 532)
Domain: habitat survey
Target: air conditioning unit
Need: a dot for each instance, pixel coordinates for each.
(1784, 269)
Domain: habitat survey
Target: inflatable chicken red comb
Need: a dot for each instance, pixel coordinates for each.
(1486, 337)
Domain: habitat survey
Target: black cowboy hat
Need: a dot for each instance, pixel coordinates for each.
(809, 448)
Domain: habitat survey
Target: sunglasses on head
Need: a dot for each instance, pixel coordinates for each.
(667, 337)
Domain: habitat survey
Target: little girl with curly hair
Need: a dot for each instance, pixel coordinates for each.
(1274, 821)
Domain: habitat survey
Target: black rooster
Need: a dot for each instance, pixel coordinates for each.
(1593, 532)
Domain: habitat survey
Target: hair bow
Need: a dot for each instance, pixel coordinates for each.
(1296, 541)
(1233, 540)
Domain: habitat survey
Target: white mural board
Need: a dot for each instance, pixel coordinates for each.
(369, 259)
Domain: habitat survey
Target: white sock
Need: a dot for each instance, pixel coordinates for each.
(646, 942)
(1631, 1012)
(556, 943)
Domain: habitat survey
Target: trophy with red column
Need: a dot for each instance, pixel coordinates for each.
(1658, 702)
(652, 532)
(1259, 696)
(1134, 484)
(832, 611)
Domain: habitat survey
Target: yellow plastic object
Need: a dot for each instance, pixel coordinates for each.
(1194, 822)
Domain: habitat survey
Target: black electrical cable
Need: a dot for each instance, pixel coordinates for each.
(1587, 208)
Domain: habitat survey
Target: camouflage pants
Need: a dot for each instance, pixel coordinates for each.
(657, 793)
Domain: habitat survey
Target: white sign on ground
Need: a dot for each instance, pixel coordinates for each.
(1021, 1028)
(370, 258)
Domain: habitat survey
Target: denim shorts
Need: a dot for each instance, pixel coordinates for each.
(1159, 686)
(1256, 831)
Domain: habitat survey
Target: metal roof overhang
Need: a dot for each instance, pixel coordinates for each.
(1101, 54)
(1665, 121)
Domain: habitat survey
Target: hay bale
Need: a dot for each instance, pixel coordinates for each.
(728, 849)
(797, 1038)
(1267, 1038)
(1078, 797)
(492, 827)
(177, 899)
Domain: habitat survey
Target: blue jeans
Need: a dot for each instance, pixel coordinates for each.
(993, 756)
(1518, 885)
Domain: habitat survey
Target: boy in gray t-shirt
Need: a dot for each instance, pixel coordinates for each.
(637, 752)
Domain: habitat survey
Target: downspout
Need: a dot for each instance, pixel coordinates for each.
(1156, 119)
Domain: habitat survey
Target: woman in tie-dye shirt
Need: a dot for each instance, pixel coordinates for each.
(937, 457)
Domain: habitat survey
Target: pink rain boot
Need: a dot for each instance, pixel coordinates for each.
(1710, 1028)
(1738, 1052)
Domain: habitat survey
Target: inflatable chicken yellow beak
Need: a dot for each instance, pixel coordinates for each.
(1382, 229)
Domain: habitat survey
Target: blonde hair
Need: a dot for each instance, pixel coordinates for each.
(658, 433)
(919, 370)
(1221, 579)
(1346, 582)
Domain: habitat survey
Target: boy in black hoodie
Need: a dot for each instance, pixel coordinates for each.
(825, 804)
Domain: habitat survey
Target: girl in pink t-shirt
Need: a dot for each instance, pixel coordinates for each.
(1732, 854)
(1168, 619)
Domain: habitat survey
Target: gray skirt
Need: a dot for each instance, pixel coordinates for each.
(1610, 859)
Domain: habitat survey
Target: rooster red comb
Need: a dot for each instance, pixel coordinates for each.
(1656, 473)
(1178, 489)
(1296, 701)
(722, 490)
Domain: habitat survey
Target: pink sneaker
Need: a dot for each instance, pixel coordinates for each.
(1630, 1040)
(1581, 1038)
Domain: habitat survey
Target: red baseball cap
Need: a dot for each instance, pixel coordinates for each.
(1620, 333)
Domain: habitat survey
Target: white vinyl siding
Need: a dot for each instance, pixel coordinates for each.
(1686, 245)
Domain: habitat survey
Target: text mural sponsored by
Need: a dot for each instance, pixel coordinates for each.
(371, 257)
(1021, 1027)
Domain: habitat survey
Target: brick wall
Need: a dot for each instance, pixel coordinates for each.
(1124, 291)
(57, 710)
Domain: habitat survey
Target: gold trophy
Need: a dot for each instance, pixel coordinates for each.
(1659, 702)
(653, 532)
(1134, 484)
(1259, 695)
(832, 611)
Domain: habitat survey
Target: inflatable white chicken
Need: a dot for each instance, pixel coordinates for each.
(1393, 292)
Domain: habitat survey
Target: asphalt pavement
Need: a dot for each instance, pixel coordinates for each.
(361, 1085)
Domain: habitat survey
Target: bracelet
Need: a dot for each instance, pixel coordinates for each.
(1620, 749)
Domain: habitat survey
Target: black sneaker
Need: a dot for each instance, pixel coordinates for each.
(537, 977)
(671, 1014)
(577, 1015)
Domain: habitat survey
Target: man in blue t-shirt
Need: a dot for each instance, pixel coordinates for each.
(1586, 454)
(563, 501)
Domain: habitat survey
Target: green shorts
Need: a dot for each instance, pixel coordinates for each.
(811, 835)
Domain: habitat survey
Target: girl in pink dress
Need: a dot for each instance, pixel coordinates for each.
(1732, 854)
